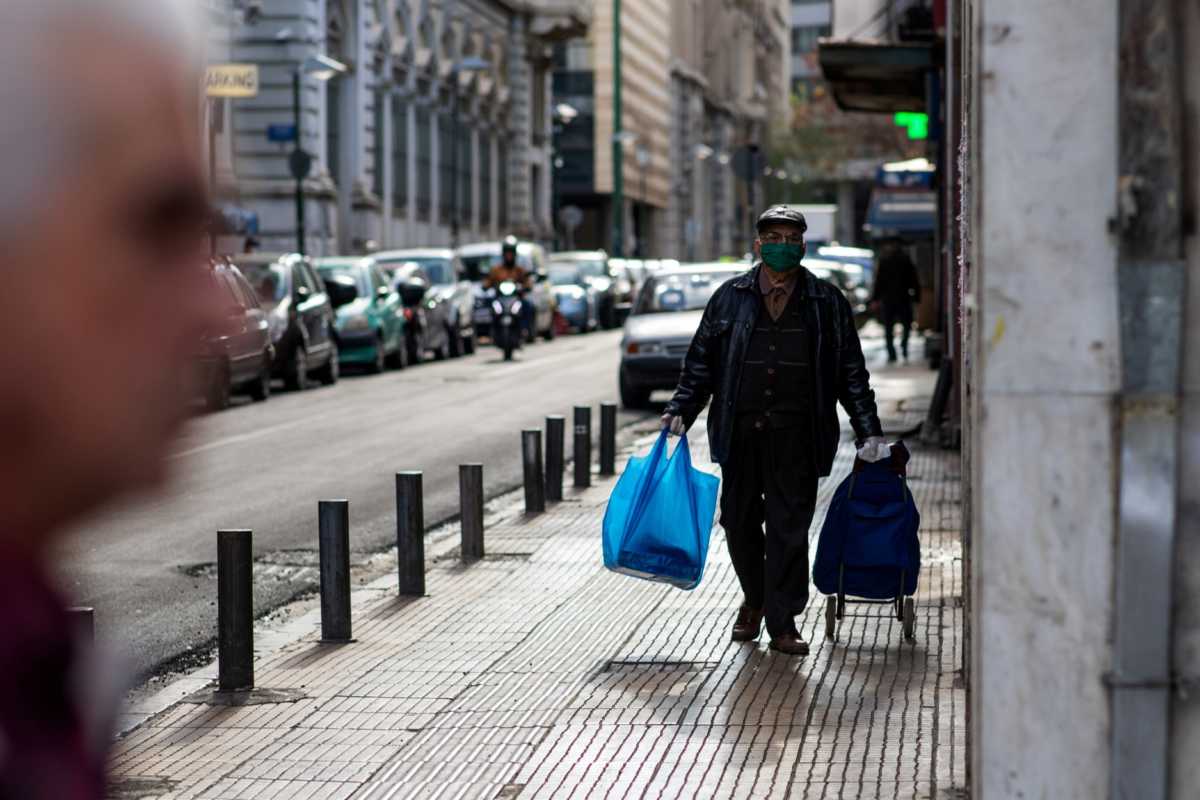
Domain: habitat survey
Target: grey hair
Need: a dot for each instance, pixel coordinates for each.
(40, 134)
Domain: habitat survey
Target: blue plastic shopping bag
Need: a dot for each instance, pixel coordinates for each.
(659, 517)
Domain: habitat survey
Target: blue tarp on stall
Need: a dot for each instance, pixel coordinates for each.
(898, 213)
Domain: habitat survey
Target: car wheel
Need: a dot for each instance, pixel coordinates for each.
(454, 342)
(332, 370)
(220, 391)
(260, 389)
(468, 344)
(379, 364)
(633, 397)
(443, 351)
(297, 378)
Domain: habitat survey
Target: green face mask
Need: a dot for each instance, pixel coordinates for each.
(782, 257)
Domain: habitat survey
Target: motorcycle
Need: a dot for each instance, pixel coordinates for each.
(506, 317)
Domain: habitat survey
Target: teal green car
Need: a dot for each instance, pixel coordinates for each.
(370, 322)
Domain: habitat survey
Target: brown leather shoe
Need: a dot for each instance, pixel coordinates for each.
(789, 643)
(748, 624)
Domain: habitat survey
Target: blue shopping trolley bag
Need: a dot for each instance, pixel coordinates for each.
(868, 546)
(659, 517)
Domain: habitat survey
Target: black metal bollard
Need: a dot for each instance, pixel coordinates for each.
(410, 533)
(83, 621)
(531, 456)
(608, 438)
(583, 447)
(470, 504)
(333, 540)
(555, 435)
(235, 611)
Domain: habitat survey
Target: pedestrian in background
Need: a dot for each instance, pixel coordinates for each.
(102, 214)
(896, 289)
(776, 350)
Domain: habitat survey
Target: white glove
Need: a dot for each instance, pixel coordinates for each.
(875, 448)
(674, 424)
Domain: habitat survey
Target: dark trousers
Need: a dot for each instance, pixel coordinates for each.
(766, 480)
(901, 314)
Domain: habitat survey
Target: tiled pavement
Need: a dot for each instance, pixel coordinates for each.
(537, 674)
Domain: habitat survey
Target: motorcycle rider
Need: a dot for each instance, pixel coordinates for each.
(509, 270)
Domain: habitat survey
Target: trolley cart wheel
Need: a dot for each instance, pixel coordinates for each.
(831, 618)
(910, 618)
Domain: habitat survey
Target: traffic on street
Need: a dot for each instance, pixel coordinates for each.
(556, 399)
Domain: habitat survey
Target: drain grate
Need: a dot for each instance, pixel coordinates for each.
(139, 788)
(663, 664)
(507, 556)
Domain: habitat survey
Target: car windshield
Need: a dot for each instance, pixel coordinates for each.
(439, 270)
(270, 281)
(564, 274)
(592, 268)
(347, 274)
(679, 291)
(478, 265)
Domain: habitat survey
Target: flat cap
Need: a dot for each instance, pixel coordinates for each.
(781, 213)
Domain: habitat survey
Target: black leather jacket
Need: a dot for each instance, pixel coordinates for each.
(713, 366)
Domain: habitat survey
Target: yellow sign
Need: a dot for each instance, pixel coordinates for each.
(231, 80)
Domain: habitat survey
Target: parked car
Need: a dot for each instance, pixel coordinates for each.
(369, 318)
(449, 278)
(861, 256)
(576, 297)
(478, 260)
(237, 355)
(848, 278)
(613, 288)
(299, 314)
(426, 313)
(660, 329)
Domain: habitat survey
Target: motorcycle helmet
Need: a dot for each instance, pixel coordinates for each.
(508, 250)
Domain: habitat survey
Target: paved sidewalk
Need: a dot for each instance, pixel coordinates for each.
(537, 674)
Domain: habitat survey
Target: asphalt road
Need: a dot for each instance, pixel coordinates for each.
(146, 567)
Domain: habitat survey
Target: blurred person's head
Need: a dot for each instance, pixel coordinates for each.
(102, 207)
(508, 251)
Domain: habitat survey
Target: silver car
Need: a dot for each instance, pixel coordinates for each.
(450, 285)
(660, 329)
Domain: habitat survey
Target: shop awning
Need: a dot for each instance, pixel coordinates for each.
(876, 76)
(901, 213)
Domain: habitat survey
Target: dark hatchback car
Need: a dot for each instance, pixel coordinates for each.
(237, 355)
(299, 314)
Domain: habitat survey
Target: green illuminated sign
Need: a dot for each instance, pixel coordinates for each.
(917, 124)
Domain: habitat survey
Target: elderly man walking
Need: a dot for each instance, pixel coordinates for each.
(776, 350)
(102, 214)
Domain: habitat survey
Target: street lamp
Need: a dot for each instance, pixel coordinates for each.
(468, 64)
(565, 114)
(322, 68)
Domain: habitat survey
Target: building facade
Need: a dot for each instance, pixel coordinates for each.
(688, 105)
(438, 128)
(810, 21)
